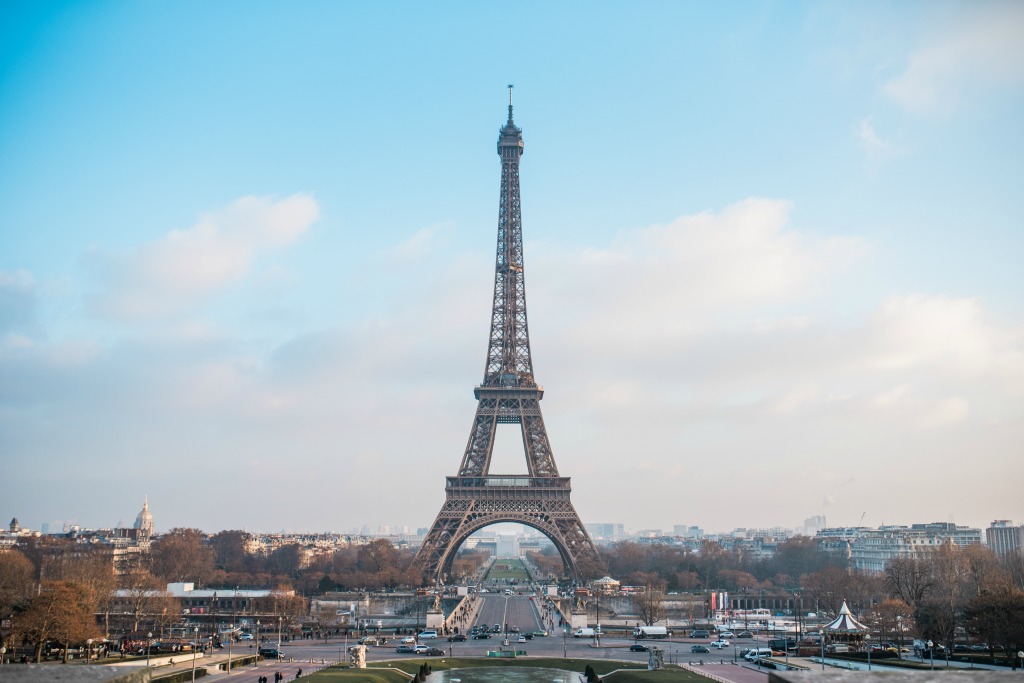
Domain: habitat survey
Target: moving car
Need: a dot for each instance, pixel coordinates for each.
(640, 648)
(424, 635)
(245, 636)
(540, 634)
(725, 635)
(700, 648)
(482, 635)
(408, 639)
(700, 633)
(270, 653)
(404, 648)
(457, 638)
(720, 644)
(521, 639)
(745, 634)
(434, 652)
(420, 649)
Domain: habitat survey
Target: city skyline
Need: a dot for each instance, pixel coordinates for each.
(772, 253)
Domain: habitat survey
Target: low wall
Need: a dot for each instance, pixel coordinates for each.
(163, 660)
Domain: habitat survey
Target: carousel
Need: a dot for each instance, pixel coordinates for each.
(845, 630)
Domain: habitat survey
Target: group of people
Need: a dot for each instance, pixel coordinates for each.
(278, 677)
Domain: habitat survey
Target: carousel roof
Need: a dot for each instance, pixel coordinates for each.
(845, 623)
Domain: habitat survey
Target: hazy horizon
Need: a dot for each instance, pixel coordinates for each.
(773, 258)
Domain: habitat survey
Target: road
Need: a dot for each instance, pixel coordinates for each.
(519, 611)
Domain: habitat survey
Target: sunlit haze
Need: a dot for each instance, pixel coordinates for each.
(773, 258)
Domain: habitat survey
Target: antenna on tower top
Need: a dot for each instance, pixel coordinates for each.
(510, 86)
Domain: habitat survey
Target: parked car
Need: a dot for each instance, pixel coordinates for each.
(700, 648)
(404, 648)
(720, 644)
(638, 648)
(420, 649)
(725, 635)
(457, 638)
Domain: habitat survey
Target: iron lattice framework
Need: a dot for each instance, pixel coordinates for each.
(508, 395)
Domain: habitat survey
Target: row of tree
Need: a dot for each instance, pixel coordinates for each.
(934, 595)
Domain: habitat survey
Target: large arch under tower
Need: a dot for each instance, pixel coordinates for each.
(508, 395)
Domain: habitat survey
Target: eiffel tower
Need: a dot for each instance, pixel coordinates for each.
(475, 498)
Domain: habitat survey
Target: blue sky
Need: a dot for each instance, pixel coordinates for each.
(773, 253)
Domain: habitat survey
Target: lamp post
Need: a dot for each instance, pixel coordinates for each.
(279, 636)
(867, 643)
(149, 645)
(231, 634)
(256, 659)
(931, 654)
(88, 651)
(195, 645)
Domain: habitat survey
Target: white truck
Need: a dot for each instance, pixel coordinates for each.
(651, 632)
(584, 633)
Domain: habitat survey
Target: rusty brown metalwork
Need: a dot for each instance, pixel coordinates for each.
(508, 395)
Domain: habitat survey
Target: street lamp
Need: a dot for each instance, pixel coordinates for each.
(231, 634)
(149, 645)
(195, 644)
(88, 651)
(867, 643)
(279, 636)
(256, 659)
(931, 654)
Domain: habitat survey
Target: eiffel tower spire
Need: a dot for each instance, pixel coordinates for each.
(508, 394)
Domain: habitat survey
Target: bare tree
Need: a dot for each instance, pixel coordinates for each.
(60, 612)
(142, 593)
(649, 604)
(909, 579)
(17, 578)
(182, 555)
(894, 619)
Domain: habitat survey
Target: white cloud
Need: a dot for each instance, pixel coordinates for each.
(17, 299)
(664, 280)
(185, 267)
(422, 242)
(691, 347)
(872, 142)
(981, 46)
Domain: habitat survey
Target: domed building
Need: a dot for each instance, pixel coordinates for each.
(144, 522)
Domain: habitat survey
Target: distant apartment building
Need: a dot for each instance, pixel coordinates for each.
(606, 533)
(870, 549)
(1003, 538)
(508, 545)
(684, 531)
(811, 527)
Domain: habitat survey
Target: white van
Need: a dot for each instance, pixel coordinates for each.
(757, 653)
(584, 633)
(424, 635)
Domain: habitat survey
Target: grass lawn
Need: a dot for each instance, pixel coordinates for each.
(375, 674)
(515, 570)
